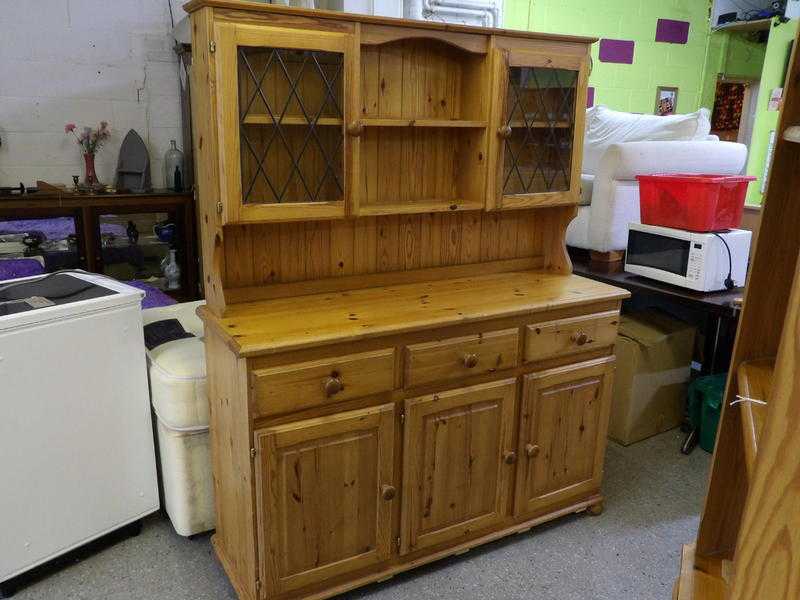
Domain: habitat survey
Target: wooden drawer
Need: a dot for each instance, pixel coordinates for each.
(456, 358)
(297, 386)
(569, 336)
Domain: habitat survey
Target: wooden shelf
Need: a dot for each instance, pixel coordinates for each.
(710, 582)
(746, 26)
(463, 124)
(754, 379)
(541, 199)
(268, 121)
(426, 205)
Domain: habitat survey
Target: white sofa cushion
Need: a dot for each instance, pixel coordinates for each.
(178, 371)
(605, 127)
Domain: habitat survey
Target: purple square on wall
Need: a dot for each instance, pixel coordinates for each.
(590, 97)
(673, 32)
(616, 51)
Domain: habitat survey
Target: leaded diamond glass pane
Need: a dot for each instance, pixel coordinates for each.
(541, 113)
(290, 123)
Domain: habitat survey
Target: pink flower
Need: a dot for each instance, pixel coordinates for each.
(69, 127)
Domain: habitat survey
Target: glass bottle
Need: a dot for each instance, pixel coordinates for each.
(173, 160)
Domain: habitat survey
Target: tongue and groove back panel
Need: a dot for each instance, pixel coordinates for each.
(278, 253)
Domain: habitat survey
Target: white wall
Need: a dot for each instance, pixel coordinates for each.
(84, 61)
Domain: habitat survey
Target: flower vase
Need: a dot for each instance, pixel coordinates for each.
(172, 272)
(90, 179)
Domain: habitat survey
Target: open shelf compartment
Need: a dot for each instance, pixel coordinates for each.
(424, 111)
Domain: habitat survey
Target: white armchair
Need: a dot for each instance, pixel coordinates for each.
(610, 184)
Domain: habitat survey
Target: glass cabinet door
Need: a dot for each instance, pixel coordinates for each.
(539, 129)
(283, 111)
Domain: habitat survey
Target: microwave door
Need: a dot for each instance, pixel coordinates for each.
(660, 257)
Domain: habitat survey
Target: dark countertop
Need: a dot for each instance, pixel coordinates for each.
(724, 302)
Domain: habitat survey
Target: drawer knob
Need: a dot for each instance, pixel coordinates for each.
(333, 385)
(504, 132)
(470, 360)
(355, 128)
(580, 338)
(388, 492)
(531, 450)
(509, 457)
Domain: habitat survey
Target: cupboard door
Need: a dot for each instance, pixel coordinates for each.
(324, 491)
(284, 97)
(538, 123)
(457, 463)
(562, 437)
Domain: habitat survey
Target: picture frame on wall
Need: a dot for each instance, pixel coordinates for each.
(666, 100)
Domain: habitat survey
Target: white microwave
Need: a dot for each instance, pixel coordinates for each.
(698, 261)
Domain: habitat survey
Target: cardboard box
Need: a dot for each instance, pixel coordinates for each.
(654, 354)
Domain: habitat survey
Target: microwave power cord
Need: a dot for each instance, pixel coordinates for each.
(729, 284)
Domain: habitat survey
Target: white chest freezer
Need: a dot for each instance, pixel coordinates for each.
(76, 442)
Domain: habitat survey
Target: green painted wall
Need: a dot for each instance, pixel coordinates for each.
(628, 87)
(772, 76)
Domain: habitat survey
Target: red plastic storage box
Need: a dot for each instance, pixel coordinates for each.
(693, 202)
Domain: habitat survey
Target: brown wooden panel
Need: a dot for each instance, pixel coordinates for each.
(315, 476)
(270, 253)
(456, 358)
(458, 462)
(562, 436)
(295, 387)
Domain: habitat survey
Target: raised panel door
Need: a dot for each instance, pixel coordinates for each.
(458, 462)
(562, 439)
(324, 490)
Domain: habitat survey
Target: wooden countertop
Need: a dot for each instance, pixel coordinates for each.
(283, 324)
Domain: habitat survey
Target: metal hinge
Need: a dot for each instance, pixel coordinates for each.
(212, 46)
(402, 417)
(258, 584)
(397, 541)
(252, 452)
(219, 208)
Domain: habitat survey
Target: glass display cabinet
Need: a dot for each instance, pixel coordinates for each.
(284, 112)
(539, 128)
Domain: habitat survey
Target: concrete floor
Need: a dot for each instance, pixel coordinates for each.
(653, 498)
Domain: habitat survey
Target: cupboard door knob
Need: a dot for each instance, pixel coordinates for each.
(580, 338)
(388, 492)
(470, 360)
(531, 450)
(333, 385)
(504, 132)
(355, 128)
(509, 457)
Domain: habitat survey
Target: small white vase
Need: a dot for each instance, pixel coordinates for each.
(172, 271)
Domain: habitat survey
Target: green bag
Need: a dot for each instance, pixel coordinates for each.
(705, 406)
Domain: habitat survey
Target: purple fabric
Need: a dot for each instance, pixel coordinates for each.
(153, 296)
(55, 228)
(19, 267)
(673, 32)
(616, 51)
(590, 97)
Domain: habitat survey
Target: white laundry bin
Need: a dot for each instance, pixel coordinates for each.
(180, 402)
